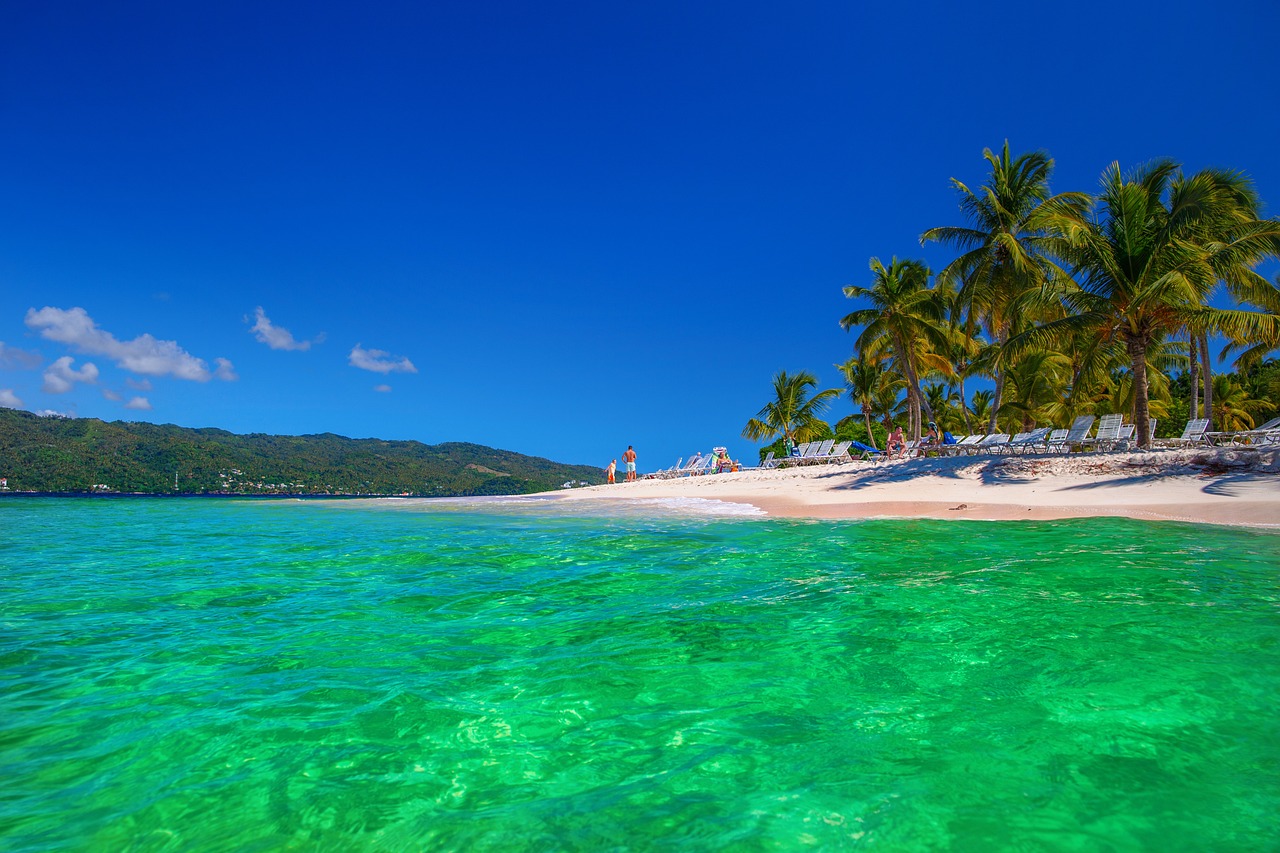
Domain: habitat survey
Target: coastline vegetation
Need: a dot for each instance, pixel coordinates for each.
(1067, 304)
(86, 455)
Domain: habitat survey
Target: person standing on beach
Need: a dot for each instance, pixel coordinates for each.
(630, 458)
(613, 466)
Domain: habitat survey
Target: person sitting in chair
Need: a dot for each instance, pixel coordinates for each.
(895, 446)
(931, 439)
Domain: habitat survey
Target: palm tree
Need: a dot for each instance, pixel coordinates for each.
(943, 401)
(1005, 250)
(904, 323)
(1145, 263)
(1235, 409)
(981, 404)
(862, 380)
(792, 413)
(1037, 383)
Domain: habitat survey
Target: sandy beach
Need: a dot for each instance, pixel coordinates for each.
(1211, 485)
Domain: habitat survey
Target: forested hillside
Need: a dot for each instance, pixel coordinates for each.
(53, 454)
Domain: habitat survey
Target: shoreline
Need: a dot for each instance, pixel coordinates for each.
(1223, 486)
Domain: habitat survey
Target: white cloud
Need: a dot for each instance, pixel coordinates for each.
(382, 389)
(138, 384)
(50, 413)
(144, 354)
(111, 395)
(9, 400)
(20, 359)
(225, 370)
(276, 337)
(140, 403)
(59, 377)
(379, 361)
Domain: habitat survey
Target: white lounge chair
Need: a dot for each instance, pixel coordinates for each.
(702, 465)
(1108, 435)
(1263, 434)
(1192, 434)
(819, 455)
(1027, 442)
(990, 443)
(664, 473)
(840, 453)
(963, 446)
(1077, 434)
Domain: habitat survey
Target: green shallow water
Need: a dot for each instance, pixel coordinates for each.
(215, 675)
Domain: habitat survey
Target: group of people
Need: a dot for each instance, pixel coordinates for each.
(630, 459)
(722, 463)
(896, 445)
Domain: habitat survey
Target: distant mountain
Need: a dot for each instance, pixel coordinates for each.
(55, 454)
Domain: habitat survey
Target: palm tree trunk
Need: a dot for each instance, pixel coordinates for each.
(913, 387)
(871, 437)
(1141, 403)
(995, 401)
(964, 409)
(1193, 350)
(1208, 378)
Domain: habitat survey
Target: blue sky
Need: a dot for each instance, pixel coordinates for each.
(556, 228)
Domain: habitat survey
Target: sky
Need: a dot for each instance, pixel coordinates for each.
(558, 228)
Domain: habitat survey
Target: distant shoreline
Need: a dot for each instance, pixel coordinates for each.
(217, 495)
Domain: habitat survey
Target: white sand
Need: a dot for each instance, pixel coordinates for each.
(1215, 486)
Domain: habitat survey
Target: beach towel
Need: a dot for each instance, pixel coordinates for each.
(864, 448)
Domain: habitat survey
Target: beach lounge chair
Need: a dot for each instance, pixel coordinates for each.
(866, 451)
(963, 446)
(1027, 442)
(1053, 443)
(909, 448)
(819, 454)
(664, 473)
(1108, 435)
(1077, 434)
(681, 469)
(1267, 433)
(701, 465)
(839, 454)
(807, 452)
(1127, 431)
(1192, 434)
(768, 461)
(989, 444)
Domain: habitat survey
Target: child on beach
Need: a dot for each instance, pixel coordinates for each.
(613, 466)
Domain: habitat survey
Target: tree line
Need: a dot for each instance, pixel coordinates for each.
(1070, 303)
(55, 454)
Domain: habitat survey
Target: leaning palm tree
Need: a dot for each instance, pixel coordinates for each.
(1005, 250)
(1145, 264)
(904, 324)
(792, 412)
(862, 380)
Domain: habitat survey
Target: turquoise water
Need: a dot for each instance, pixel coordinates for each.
(497, 675)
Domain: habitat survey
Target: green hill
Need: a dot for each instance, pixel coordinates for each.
(54, 454)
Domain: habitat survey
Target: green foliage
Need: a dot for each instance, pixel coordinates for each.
(792, 411)
(821, 431)
(854, 428)
(50, 454)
